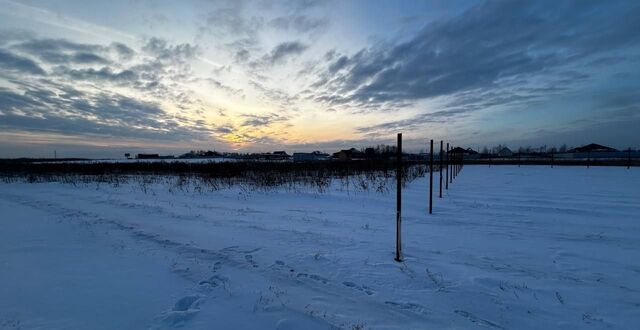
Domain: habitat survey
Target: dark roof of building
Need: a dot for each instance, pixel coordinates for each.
(593, 147)
(460, 150)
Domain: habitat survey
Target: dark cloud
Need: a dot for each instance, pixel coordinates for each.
(158, 70)
(14, 63)
(123, 50)
(103, 74)
(39, 46)
(218, 84)
(163, 51)
(89, 58)
(224, 129)
(61, 51)
(262, 120)
(478, 49)
(283, 51)
(34, 103)
(69, 111)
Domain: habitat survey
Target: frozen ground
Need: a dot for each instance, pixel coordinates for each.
(508, 247)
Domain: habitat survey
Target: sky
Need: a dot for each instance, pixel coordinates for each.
(101, 78)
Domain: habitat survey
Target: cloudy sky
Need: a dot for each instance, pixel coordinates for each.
(99, 78)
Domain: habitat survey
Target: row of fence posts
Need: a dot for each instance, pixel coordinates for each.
(453, 167)
(588, 162)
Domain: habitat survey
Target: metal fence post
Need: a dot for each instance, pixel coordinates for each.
(431, 179)
(399, 199)
(441, 163)
(446, 179)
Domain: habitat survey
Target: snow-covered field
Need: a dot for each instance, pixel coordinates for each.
(508, 247)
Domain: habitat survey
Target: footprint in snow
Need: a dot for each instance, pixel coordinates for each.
(411, 307)
(215, 281)
(249, 259)
(183, 310)
(186, 303)
(476, 319)
(362, 288)
(313, 277)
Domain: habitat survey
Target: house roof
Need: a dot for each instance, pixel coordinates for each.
(460, 150)
(593, 147)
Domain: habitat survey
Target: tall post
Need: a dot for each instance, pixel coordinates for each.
(441, 164)
(431, 179)
(629, 158)
(447, 178)
(451, 165)
(455, 172)
(399, 199)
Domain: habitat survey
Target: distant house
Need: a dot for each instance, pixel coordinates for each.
(153, 156)
(466, 153)
(348, 154)
(201, 154)
(593, 147)
(459, 150)
(147, 156)
(309, 156)
(280, 155)
(276, 155)
(505, 152)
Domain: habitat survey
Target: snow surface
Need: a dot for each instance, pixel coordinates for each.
(508, 247)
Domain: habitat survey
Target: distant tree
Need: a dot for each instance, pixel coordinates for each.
(543, 148)
(485, 150)
(563, 148)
